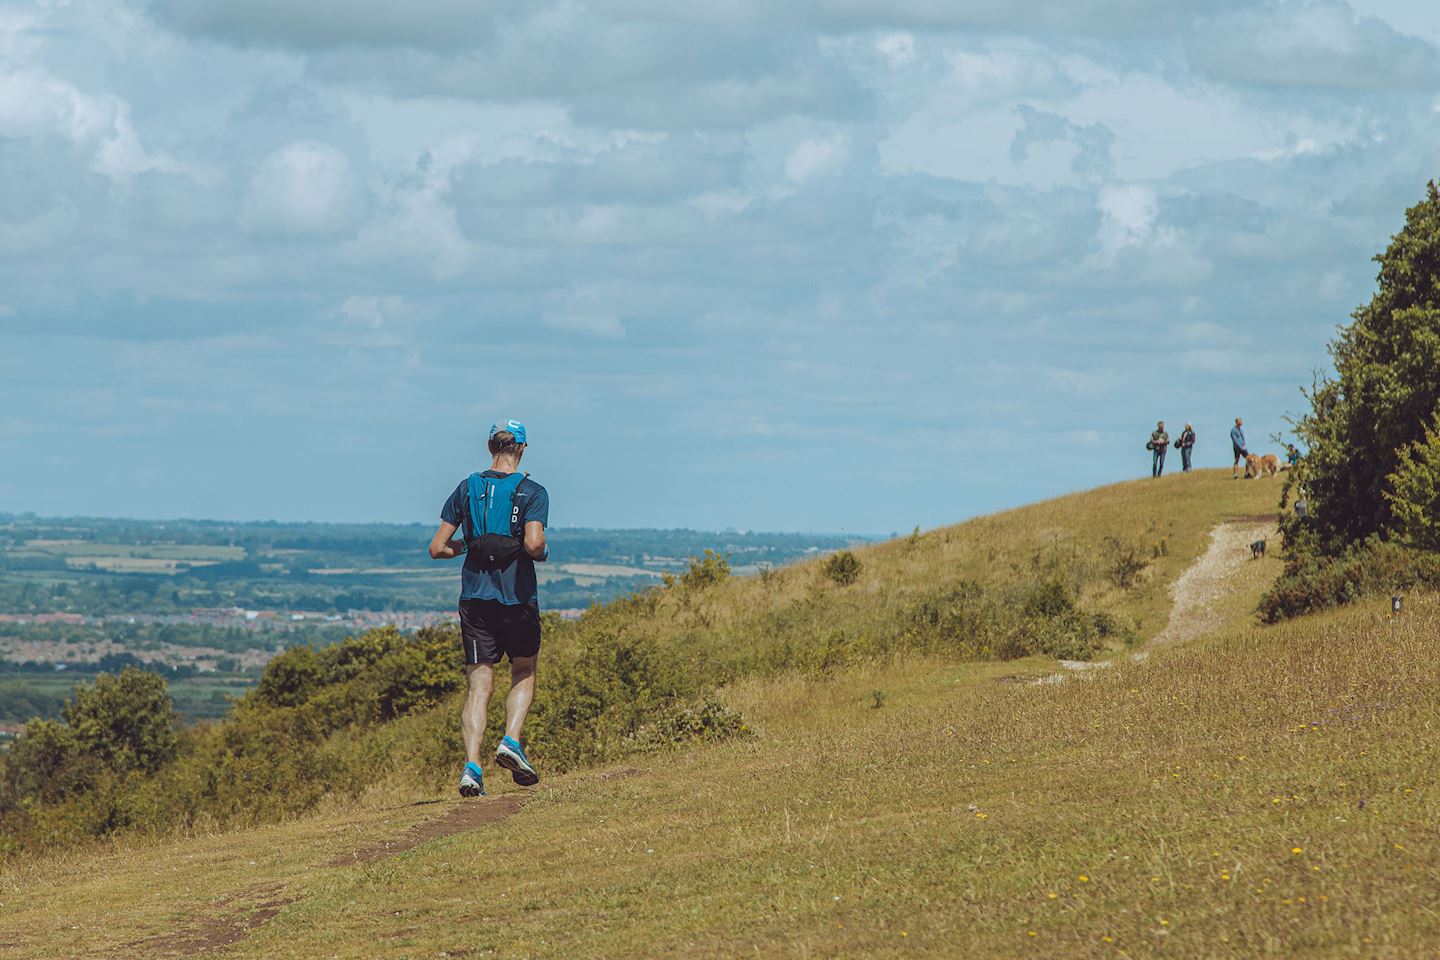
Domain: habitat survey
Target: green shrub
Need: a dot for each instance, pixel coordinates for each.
(123, 721)
(1124, 562)
(1313, 582)
(42, 764)
(1072, 635)
(843, 567)
(1414, 493)
(289, 679)
(707, 570)
(1049, 599)
(708, 721)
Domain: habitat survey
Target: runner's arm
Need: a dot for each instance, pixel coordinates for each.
(442, 547)
(534, 540)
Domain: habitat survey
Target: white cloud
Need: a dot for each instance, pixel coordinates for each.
(35, 104)
(304, 189)
(812, 158)
(896, 48)
(1320, 43)
(1128, 213)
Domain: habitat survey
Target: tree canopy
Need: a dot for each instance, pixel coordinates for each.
(1366, 429)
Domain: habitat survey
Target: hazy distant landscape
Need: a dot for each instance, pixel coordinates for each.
(209, 603)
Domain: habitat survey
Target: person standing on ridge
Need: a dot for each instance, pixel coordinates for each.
(1159, 443)
(503, 514)
(1186, 443)
(1237, 440)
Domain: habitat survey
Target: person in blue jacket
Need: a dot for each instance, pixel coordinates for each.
(1237, 441)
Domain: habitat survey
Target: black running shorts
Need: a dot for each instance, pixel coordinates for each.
(490, 630)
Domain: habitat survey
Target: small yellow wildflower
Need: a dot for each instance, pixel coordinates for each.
(1164, 922)
(1052, 895)
(1032, 933)
(1108, 939)
(1084, 879)
(1296, 850)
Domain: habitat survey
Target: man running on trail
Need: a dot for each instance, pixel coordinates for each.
(502, 515)
(1237, 441)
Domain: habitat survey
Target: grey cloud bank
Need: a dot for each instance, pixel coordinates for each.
(731, 264)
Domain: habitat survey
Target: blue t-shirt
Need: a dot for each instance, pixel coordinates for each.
(516, 583)
(1237, 437)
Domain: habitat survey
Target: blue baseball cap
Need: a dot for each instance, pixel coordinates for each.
(515, 427)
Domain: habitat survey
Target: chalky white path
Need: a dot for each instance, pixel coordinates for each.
(1199, 596)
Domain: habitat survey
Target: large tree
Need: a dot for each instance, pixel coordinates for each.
(1385, 392)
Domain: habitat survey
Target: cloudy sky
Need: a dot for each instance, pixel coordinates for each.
(852, 265)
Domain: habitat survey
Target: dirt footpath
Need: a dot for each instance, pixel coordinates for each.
(1202, 599)
(1202, 595)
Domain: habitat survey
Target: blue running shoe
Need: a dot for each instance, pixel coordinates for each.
(472, 781)
(511, 756)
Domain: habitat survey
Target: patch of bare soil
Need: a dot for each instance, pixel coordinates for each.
(235, 916)
(462, 816)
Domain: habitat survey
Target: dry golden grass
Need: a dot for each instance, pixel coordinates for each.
(1171, 516)
(1263, 790)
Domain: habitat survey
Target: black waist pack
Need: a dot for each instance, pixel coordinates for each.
(495, 550)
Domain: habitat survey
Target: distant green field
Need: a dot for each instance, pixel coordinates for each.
(184, 552)
(24, 696)
(98, 567)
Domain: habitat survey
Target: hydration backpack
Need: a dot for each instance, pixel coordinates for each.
(495, 528)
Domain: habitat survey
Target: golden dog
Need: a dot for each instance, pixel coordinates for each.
(1268, 465)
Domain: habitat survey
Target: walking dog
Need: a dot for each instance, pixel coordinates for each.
(1268, 465)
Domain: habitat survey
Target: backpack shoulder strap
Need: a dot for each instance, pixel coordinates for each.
(475, 488)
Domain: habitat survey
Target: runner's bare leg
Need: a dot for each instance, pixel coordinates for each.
(522, 694)
(481, 677)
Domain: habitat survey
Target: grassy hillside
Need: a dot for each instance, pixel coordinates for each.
(1258, 790)
(1081, 541)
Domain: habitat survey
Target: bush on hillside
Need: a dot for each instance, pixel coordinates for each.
(1414, 493)
(124, 721)
(1124, 562)
(842, 567)
(1313, 582)
(703, 571)
(1049, 599)
(1386, 390)
(289, 679)
(708, 721)
(41, 764)
(121, 726)
(379, 706)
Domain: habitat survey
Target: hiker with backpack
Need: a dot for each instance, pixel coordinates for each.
(503, 515)
(1185, 444)
(1158, 443)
